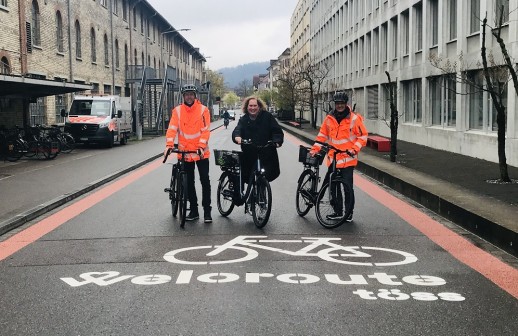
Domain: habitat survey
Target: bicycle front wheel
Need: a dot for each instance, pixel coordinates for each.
(182, 197)
(305, 187)
(225, 194)
(173, 192)
(261, 202)
(334, 203)
(67, 143)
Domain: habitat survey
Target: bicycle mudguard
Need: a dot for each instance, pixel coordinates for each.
(304, 173)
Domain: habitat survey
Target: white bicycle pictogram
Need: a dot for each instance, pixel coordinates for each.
(321, 247)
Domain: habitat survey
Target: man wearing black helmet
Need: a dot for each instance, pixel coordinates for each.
(193, 135)
(343, 129)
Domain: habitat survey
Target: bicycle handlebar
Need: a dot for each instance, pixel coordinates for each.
(176, 150)
(329, 146)
(249, 142)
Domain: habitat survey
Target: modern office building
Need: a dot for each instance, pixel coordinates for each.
(364, 39)
(50, 48)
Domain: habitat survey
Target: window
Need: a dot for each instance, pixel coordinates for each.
(375, 46)
(372, 102)
(35, 20)
(405, 26)
(434, 22)
(502, 11)
(61, 103)
(476, 100)
(443, 100)
(3, 3)
(117, 63)
(59, 32)
(78, 39)
(5, 69)
(418, 10)
(395, 37)
(412, 96)
(93, 44)
(125, 10)
(115, 5)
(474, 22)
(103, 3)
(126, 57)
(106, 51)
(453, 19)
(384, 42)
(134, 17)
(142, 22)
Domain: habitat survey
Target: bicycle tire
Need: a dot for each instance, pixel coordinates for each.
(261, 200)
(307, 181)
(173, 195)
(14, 150)
(325, 207)
(225, 201)
(182, 198)
(67, 142)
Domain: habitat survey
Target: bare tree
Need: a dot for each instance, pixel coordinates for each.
(289, 81)
(312, 74)
(394, 118)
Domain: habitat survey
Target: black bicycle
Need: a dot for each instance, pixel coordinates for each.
(178, 191)
(258, 195)
(332, 204)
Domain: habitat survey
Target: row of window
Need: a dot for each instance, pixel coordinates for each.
(442, 101)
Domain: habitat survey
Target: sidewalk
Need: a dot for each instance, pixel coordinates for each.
(452, 185)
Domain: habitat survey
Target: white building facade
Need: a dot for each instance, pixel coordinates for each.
(365, 38)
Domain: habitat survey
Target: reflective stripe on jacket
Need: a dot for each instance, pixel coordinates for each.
(349, 134)
(192, 125)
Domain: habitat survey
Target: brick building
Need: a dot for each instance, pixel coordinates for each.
(51, 48)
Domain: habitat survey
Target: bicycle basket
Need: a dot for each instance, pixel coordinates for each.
(226, 158)
(307, 159)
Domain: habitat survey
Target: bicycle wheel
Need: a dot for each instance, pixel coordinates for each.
(14, 150)
(181, 196)
(334, 204)
(261, 201)
(67, 143)
(225, 194)
(305, 187)
(173, 192)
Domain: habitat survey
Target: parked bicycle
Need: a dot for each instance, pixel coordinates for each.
(11, 148)
(333, 202)
(258, 195)
(178, 191)
(65, 139)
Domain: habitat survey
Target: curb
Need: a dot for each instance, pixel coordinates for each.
(497, 234)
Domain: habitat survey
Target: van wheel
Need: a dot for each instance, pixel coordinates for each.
(123, 139)
(109, 143)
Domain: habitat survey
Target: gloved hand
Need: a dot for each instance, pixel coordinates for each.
(200, 152)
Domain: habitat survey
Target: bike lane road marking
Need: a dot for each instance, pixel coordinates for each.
(498, 272)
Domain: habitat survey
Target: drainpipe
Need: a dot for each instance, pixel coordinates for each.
(70, 67)
(113, 48)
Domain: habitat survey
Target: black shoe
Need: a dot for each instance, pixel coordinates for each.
(207, 218)
(334, 216)
(193, 215)
(350, 217)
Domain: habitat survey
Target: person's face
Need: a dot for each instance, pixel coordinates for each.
(340, 106)
(253, 107)
(189, 97)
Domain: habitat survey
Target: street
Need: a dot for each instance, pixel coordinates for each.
(115, 262)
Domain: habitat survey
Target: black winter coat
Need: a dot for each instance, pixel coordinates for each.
(261, 130)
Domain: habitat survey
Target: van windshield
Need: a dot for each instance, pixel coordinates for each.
(90, 107)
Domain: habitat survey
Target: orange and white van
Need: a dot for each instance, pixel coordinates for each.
(100, 119)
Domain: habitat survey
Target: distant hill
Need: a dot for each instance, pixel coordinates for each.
(235, 75)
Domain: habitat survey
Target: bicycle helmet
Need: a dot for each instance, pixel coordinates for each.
(188, 87)
(340, 97)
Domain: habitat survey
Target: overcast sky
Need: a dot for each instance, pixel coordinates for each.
(232, 32)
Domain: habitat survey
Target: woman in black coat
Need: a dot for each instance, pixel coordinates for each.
(259, 126)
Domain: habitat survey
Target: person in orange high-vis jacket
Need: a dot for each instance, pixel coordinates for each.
(191, 122)
(345, 130)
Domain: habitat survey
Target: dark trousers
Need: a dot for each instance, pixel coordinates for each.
(347, 175)
(203, 171)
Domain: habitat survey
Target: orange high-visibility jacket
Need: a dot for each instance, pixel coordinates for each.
(192, 124)
(349, 134)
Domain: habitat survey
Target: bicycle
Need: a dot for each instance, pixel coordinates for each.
(65, 139)
(327, 201)
(226, 121)
(178, 191)
(258, 194)
(321, 247)
(11, 146)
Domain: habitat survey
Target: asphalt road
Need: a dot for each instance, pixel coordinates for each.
(116, 262)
